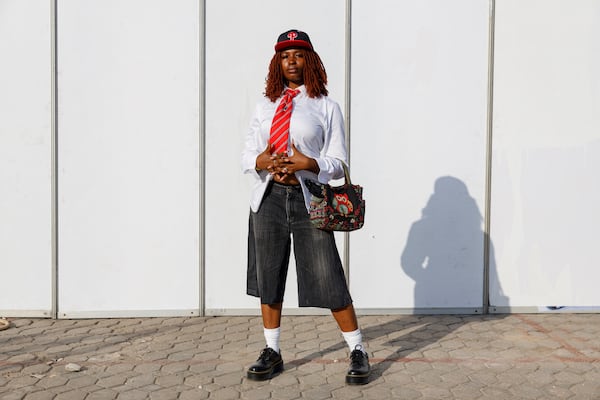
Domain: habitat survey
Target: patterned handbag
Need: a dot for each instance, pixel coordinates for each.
(340, 208)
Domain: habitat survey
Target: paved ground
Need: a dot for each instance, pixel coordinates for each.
(538, 356)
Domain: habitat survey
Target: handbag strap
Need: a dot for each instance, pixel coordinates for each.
(346, 174)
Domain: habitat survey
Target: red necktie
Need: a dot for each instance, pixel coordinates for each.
(280, 127)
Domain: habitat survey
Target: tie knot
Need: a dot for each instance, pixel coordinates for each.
(291, 92)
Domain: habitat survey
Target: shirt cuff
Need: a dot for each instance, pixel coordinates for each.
(329, 169)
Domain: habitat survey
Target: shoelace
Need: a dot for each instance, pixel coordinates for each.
(356, 355)
(265, 354)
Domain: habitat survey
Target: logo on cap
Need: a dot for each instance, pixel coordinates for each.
(293, 38)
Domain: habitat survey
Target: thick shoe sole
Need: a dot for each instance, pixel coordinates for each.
(357, 379)
(264, 375)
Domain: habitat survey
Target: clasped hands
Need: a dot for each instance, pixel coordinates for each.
(282, 165)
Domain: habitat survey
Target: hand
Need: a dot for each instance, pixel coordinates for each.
(286, 165)
(274, 163)
(265, 159)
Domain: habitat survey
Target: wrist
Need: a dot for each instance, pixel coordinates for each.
(314, 166)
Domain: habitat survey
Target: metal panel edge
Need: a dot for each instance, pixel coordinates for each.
(359, 311)
(26, 313)
(538, 310)
(54, 155)
(218, 312)
(202, 158)
(420, 311)
(347, 107)
(488, 159)
(128, 314)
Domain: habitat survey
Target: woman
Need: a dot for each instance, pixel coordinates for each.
(296, 133)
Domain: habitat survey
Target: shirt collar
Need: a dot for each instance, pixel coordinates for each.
(301, 88)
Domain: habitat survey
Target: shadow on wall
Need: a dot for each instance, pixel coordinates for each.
(444, 251)
(444, 256)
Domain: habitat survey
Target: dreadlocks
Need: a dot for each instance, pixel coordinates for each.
(315, 77)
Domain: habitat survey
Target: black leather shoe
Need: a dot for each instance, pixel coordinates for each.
(359, 371)
(269, 364)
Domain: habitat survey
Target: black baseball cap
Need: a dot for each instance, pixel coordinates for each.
(293, 38)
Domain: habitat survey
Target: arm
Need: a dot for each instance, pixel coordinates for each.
(253, 147)
(334, 152)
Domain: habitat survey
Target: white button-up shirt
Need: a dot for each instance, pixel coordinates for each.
(317, 130)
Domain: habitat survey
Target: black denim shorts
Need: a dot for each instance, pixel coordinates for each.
(282, 216)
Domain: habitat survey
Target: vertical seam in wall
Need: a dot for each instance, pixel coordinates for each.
(488, 169)
(347, 106)
(54, 154)
(202, 158)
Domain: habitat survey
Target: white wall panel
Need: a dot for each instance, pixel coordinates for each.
(419, 87)
(240, 39)
(128, 157)
(546, 183)
(25, 158)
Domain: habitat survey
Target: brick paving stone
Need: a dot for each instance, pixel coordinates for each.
(155, 356)
(175, 367)
(22, 381)
(134, 394)
(80, 381)
(13, 395)
(194, 394)
(526, 392)
(404, 393)
(317, 392)
(145, 368)
(12, 348)
(77, 395)
(203, 367)
(140, 380)
(103, 394)
(558, 392)
(312, 379)
(436, 393)
(225, 394)
(164, 394)
(376, 392)
(346, 393)
(470, 357)
(60, 349)
(568, 377)
(261, 393)
(112, 381)
(41, 395)
(229, 379)
(590, 389)
(285, 393)
(309, 368)
(169, 380)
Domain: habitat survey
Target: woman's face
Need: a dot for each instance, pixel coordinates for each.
(292, 64)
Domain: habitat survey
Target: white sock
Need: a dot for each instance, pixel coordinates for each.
(354, 339)
(272, 338)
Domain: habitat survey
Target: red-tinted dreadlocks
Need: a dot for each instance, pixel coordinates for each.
(315, 77)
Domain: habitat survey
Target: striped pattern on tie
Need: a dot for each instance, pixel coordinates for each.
(280, 127)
